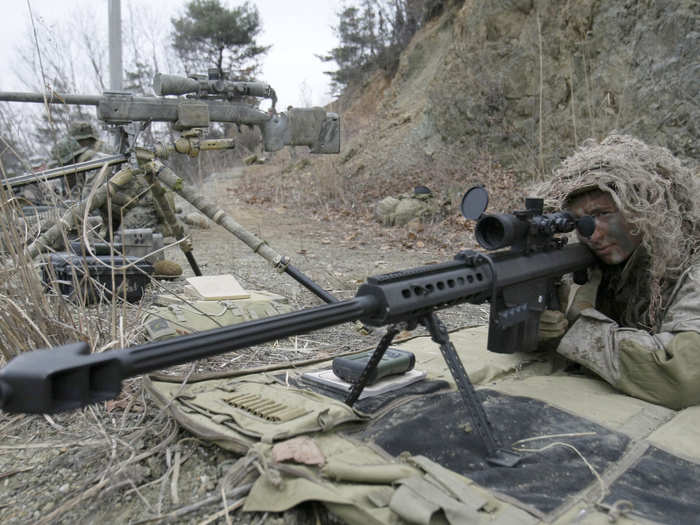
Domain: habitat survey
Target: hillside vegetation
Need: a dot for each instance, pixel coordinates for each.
(499, 92)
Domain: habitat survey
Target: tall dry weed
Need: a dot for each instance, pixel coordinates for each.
(35, 314)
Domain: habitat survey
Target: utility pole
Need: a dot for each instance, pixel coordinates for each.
(115, 45)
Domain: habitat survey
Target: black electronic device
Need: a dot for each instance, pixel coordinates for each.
(394, 361)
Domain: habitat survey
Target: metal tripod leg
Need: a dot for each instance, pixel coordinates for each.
(495, 455)
(175, 227)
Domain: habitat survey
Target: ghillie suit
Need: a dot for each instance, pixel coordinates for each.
(659, 197)
(639, 328)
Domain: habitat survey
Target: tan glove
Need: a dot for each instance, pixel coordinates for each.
(585, 295)
(553, 323)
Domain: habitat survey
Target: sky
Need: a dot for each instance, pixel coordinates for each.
(297, 32)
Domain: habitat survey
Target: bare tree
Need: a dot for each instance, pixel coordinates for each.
(71, 57)
(147, 49)
(305, 94)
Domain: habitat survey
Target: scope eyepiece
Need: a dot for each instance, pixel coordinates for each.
(586, 225)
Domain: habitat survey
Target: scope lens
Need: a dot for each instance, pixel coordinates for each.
(490, 232)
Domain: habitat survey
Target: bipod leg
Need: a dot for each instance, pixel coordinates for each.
(193, 263)
(372, 364)
(176, 228)
(495, 455)
(223, 219)
(306, 282)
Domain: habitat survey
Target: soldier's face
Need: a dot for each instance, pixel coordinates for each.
(612, 241)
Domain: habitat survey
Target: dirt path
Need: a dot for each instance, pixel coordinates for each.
(117, 463)
(338, 254)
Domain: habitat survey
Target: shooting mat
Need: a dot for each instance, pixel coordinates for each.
(410, 456)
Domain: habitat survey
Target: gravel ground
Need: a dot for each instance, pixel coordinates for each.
(127, 462)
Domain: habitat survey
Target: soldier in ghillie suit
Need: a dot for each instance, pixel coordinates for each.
(131, 207)
(81, 144)
(636, 323)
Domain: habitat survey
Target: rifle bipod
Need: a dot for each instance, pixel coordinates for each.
(438, 332)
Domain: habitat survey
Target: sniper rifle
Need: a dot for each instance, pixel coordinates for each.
(519, 282)
(191, 105)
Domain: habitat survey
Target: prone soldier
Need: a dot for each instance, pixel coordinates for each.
(636, 323)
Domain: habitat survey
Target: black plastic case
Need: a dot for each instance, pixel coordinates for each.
(87, 279)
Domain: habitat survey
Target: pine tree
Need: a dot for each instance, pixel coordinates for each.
(209, 35)
(371, 36)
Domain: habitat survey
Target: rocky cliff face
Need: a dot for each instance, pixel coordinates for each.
(528, 80)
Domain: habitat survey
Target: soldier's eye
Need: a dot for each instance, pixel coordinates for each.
(603, 214)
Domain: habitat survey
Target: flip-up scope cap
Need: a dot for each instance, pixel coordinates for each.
(474, 202)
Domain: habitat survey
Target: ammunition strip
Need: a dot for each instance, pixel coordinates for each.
(265, 408)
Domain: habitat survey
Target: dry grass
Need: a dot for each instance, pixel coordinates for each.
(36, 314)
(348, 187)
(115, 440)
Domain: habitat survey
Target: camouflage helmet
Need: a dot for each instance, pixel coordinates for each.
(82, 129)
(67, 149)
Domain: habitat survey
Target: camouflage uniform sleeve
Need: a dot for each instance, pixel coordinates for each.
(662, 367)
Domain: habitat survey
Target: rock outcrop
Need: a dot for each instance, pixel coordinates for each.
(528, 80)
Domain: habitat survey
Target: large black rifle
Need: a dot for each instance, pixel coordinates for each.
(519, 282)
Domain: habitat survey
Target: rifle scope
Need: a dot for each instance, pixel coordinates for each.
(500, 230)
(164, 85)
(519, 229)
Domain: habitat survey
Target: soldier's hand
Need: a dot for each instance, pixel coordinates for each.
(585, 295)
(553, 325)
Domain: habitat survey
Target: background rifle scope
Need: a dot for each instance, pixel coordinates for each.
(164, 85)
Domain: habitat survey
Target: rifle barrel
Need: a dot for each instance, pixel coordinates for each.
(49, 98)
(68, 377)
(150, 357)
(55, 173)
